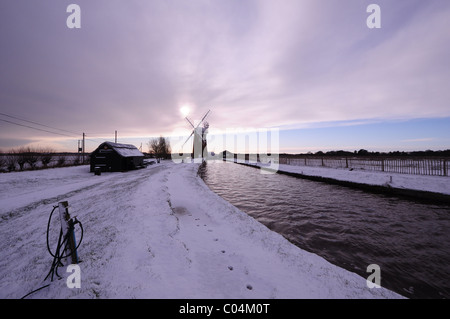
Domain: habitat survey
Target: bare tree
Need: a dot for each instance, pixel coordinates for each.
(159, 147)
(31, 156)
(2, 160)
(46, 156)
(21, 157)
(61, 160)
(153, 146)
(11, 160)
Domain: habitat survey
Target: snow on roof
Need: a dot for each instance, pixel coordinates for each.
(125, 150)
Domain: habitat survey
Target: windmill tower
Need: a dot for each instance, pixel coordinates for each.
(199, 146)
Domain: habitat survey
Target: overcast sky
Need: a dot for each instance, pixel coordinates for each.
(288, 64)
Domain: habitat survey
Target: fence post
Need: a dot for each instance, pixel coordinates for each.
(445, 168)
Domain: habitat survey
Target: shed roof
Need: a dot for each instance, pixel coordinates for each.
(125, 150)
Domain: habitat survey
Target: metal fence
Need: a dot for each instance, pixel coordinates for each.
(415, 166)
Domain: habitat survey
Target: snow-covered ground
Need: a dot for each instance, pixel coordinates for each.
(157, 232)
(434, 184)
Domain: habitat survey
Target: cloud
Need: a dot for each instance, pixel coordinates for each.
(400, 75)
(262, 63)
(11, 143)
(414, 140)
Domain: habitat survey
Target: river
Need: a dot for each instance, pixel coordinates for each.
(351, 228)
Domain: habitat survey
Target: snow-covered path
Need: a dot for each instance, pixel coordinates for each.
(158, 232)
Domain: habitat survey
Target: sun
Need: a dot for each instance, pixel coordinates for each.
(184, 110)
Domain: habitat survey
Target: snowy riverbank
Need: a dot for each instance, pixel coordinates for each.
(427, 187)
(157, 232)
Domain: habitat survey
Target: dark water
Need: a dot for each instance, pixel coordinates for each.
(409, 240)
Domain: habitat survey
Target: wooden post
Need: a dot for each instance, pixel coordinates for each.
(67, 231)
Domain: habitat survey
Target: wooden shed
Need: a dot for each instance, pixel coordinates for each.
(115, 157)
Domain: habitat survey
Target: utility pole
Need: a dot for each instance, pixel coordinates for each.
(115, 139)
(84, 135)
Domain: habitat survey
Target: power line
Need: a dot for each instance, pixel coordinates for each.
(93, 140)
(36, 123)
(40, 129)
(35, 128)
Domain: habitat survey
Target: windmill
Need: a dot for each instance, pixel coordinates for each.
(199, 147)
